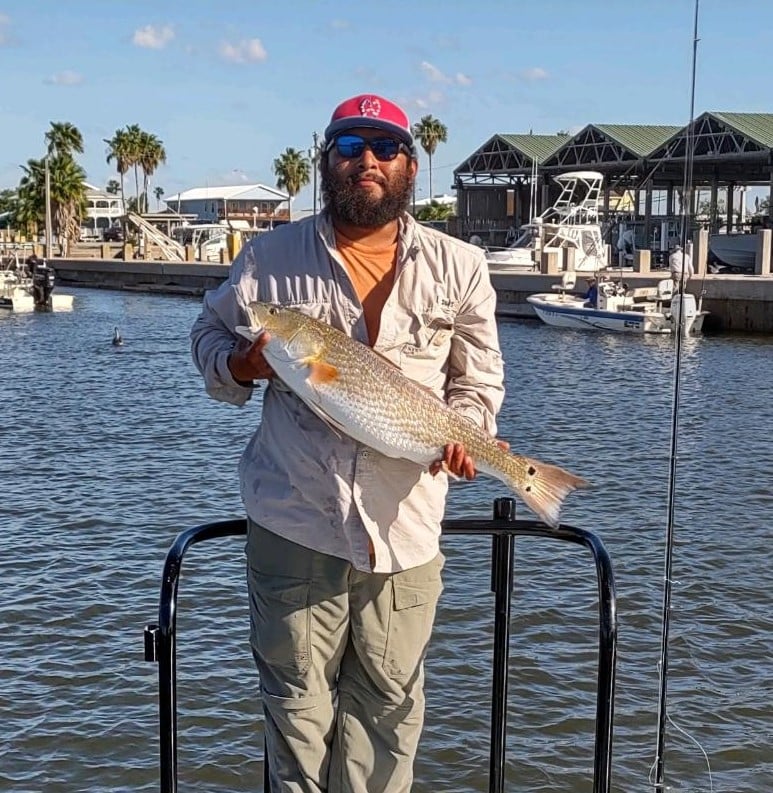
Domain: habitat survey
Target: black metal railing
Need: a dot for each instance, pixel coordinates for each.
(160, 638)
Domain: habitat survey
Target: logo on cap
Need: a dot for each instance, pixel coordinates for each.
(370, 107)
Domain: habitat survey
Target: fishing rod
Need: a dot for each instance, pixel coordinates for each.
(687, 193)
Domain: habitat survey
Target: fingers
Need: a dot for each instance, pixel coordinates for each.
(247, 361)
(456, 461)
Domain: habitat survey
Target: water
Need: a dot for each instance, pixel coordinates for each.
(107, 453)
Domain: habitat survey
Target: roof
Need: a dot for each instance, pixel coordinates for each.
(757, 126)
(535, 147)
(241, 192)
(640, 139)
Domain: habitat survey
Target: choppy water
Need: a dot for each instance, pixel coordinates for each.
(107, 453)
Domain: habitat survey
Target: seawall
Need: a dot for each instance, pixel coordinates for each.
(742, 303)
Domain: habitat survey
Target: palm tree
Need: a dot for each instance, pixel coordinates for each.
(293, 172)
(113, 186)
(64, 138)
(429, 132)
(151, 154)
(68, 197)
(119, 149)
(158, 192)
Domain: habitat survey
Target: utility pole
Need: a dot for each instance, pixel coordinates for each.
(48, 209)
(314, 162)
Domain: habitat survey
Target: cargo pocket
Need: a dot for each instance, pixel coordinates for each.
(410, 625)
(280, 621)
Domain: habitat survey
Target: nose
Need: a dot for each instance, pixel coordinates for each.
(367, 159)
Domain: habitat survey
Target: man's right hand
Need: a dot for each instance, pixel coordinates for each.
(247, 362)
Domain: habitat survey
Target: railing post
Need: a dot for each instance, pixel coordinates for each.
(502, 571)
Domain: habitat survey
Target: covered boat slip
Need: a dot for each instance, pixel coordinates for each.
(509, 179)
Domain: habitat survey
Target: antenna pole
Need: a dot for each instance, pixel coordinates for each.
(686, 216)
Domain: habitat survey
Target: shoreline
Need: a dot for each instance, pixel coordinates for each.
(736, 303)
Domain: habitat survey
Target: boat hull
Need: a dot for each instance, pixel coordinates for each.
(567, 311)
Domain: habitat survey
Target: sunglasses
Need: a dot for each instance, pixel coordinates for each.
(352, 146)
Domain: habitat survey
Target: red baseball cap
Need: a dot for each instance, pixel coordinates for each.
(374, 112)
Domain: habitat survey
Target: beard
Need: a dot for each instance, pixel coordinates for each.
(357, 207)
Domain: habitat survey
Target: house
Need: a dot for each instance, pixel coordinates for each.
(251, 206)
(103, 210)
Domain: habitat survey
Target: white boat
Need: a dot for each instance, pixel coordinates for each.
(618, 309)
(571, 223)
(737, 251)
(22, 291)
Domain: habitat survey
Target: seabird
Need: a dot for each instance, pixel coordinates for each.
(117, 340)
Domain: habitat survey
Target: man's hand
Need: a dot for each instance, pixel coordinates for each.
(247, 362)
(456, 461)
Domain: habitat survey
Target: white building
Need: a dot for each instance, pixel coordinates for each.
(251, 206)
(103, 210)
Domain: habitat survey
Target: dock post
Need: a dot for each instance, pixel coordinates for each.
(762, 260)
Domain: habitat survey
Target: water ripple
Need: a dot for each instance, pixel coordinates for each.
(109, 453)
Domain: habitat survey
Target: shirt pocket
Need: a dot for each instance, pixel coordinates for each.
(423, 352)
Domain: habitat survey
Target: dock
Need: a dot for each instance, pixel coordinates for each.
(737, 303)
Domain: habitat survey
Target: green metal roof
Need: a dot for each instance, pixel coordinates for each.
(757, 126)
(535, 147)
(641, 139)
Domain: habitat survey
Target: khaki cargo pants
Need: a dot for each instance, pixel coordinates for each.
(340, 655)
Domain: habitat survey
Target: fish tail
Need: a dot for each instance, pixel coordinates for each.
(544, 487)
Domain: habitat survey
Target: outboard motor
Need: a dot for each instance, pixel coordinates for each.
(43, 278)
(683, 305)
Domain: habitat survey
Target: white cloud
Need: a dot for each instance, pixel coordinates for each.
(430, 100)
(433, 73)
(462, 79)
(534, 73)
(153, 38)
(340, 24)
(246, 51)
(66, 77)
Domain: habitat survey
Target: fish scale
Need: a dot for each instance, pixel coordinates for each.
(368, 398)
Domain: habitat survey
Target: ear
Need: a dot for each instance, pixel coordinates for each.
(414, 167)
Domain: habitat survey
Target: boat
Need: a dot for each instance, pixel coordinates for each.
(25, 289)
(619, 309)
(738, 252)
(571, 223)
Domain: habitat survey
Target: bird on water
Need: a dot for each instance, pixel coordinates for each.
(117, 340)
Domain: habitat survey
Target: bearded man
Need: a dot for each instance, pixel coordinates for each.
(343, 557)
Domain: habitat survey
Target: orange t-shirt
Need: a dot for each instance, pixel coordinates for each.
(372, 271)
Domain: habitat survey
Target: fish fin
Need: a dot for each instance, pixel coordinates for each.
(251, 334)
(321, 372)
(546, 488)
(448, 472)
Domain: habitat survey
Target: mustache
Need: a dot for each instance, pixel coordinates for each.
(361, 177)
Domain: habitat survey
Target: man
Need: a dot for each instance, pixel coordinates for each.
(592, 293)
(343, 556)
(680, 265)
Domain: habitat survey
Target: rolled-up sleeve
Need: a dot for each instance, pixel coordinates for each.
(213, 336)
(476, 373)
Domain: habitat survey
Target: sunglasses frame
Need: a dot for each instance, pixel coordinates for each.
(367, 143)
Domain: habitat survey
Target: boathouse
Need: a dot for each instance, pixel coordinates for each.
(508, 179)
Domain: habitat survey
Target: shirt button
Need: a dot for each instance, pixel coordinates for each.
(353, 321)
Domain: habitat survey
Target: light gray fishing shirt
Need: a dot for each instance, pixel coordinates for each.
(307, 482)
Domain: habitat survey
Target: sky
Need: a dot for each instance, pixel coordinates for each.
(229, 86)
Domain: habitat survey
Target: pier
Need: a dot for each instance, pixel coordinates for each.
(737, 303)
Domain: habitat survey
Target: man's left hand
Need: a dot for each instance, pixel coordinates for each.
(456, 461)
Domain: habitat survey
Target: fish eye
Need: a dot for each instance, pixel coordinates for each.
(272, 310)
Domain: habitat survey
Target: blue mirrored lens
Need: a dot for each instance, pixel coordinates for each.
(351, 146)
